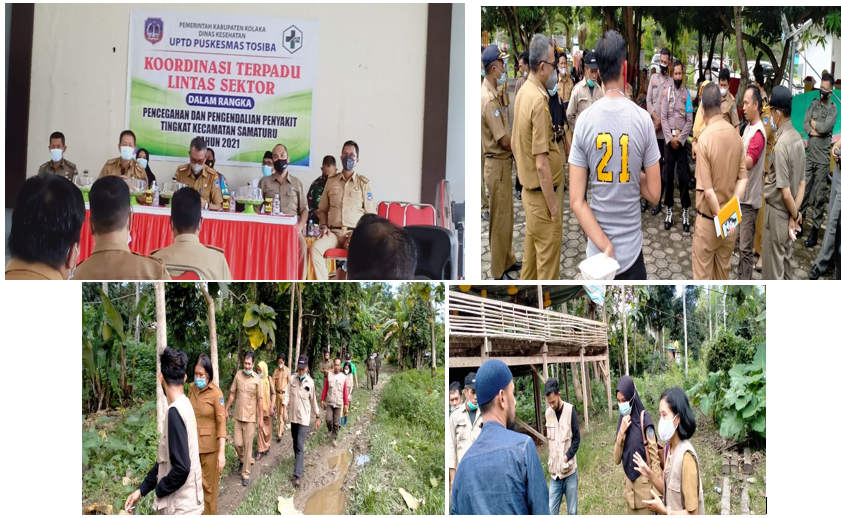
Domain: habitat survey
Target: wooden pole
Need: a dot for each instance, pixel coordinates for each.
(538, 413)
(607, 388)
(566, 383)
(160, 339)
(625, 329)
(685, 336)
(211, 325)
(291, 359)
(586, 414)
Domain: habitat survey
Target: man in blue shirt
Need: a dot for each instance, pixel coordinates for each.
(510, 476)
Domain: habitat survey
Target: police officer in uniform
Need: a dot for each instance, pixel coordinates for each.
(125, 165)
(201, 177)
(111, 258)
(57, 163)
(539, 166)
(371, 371)
(293, 201)
(833, 215)
(818, 124)
(496, 145)
(784, 189)
(465, 424)
(347, 196)
(586, 92)
(676, 123)
(728, 102)
(657, 86)
(280, 378)
(186, 249)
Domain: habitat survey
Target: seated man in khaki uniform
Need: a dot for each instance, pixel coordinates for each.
(111, 258)
(57, 163)
(347, 196)
(125, 165)
(46, 229)
(201, 176)
(187, 250)
(293, 199)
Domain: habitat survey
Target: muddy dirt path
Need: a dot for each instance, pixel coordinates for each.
(327, 467)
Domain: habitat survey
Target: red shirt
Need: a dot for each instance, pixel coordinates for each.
(756, 144)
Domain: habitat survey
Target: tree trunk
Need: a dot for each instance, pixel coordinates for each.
(137, 303)
(433, 349)
(576, 385)
(710, 313)
(300, 317)
(211, 324)
(699, 72)
(685, 336)
(292, 360)
(712, 51)
(160, 311)
(743, 60)
(724, 308)
(625, 328)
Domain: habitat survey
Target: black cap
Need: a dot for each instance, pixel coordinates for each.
(780, 97)
(267, 154)
(491, 54)
(590, 59)
(470, 381)
(302, 361)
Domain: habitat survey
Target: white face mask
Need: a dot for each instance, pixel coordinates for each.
(723, 91)
(563, 71)
(197, 168)
(55, 155)
(126, 152)
(708, 77)
(666, 428)
(347, 371)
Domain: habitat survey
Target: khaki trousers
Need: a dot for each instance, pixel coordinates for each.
(497, 176)
(760, 218)
(776, 245)
(281, 424)
(484, 194)
(336, 239)
(542, 253)
(710, 253)
(209, 480)
(264, 434)
(243, 443)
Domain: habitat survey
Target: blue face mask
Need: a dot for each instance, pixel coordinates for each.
(261, 374)
(126, 153)
(247, 372)
(267, 170)
(143, 162)
(773, 125)
(471, 406)
(553, 91)
(55, 155)
(624, 408)
(591, 84)
(200, 383)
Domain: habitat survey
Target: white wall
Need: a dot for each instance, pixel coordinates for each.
(370, 89)
(819, 57)
(455, 108)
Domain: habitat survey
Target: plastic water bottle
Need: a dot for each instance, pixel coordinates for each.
(309, 228)
(276, 205)
(233, 205)
(156, 197)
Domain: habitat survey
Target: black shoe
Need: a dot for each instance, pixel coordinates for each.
(245, 482)
(686, 220)
(643, 205)
(277, 438)
(486, 216)
(815, 274)
(516, 267)
(655, 210)
(519, 195)
(239, 470)
(668, 224)
(812, 240)
(504, 277)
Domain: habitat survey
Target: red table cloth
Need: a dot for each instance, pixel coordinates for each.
(257, 247)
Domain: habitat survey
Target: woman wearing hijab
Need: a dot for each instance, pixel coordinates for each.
(264, 430)
(346, 369)
(630, 442)
(209, 407)
(143, 160)
(681, 487)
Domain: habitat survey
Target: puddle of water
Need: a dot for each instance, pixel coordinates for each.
(331, 499)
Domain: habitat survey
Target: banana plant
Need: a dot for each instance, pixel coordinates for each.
(259, 324)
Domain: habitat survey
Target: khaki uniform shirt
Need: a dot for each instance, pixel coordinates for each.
(532, 135)
(293, 199)
(565, 87)
(674, 115)
(187, 250)
(66, 168)
(209, 407)
(113, 261)
(728, 110)
(371, 365)
(720, 161)
(502, 90)
(249, 394)
(207, 183)
(345, 201)
(113, 168)
(463, 434)
(788, 166)
(653, 101)
(640, 489)
(494, 123)
(580, 99)
(326, 366)
(18, 270)
(300, 400)
(280, 379)
(770, 135)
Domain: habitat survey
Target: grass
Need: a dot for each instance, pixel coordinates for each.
(406, 446)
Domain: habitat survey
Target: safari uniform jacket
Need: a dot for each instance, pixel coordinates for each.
(728, 110)
(18, 270)
(66, 168)
(280, 378)
(673, 113)
(335, 390)
(673, 479)
(494, 123)
(463, 434)
(300, 400)
(187, 250)
(559, 433)
(249, 394)
(209, 408)
(207, 183)
(189, 498)
(293, 199)
(532, 135)
(656, 86)
(111, 260)
(788, 166)
(346, 200)
(580, 99)
(113, 168)
(640, 489)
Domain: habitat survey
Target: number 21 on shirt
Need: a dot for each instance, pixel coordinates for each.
(605, 140)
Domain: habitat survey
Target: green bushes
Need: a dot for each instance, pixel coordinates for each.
(650, 387)
(415, 397)
(726, 350)
(141, 369)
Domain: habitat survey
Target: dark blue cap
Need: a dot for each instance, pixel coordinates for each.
(491, 54)
(492, 377)
(470, 381)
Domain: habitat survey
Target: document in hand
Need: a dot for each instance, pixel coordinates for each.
(728, 218)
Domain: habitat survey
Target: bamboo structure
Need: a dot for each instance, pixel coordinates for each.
(528, 340)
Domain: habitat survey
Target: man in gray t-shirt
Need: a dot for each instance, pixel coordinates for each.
(614, 141)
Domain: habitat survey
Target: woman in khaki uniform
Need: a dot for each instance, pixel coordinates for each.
(631, 441)
(346, 368)
(264, 429)
(209, 407)
(681, 486)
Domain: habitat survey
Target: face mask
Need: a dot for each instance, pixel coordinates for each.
(143, 162)
(624, 408)
(591, 84)
(197, 168)
(55, 155)
(525, 74)
(261, 374)
(824, 97)
(126, 153)
(347, 371)
(563, 71)
(707, 77)
(471, 406)
(553, 91)
(200, 383)
(128, 241)
(209, 163)
(302, 376)
(280, 365)
(348, 163)
(267, 170)
(500, 81)
(666, 428)
(552, 82)
(280, 165)
(723, 91)
(773, 124)
(483, 73)
(678, 82)
(664, 69)
(247, 372)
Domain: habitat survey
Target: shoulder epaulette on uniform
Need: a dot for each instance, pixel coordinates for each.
(153, 252)
(362, 179)
(113, 161)
(220, 250)
(183, 167)
(70, 164)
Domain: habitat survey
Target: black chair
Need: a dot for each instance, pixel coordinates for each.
(436, 248)
(458, 221)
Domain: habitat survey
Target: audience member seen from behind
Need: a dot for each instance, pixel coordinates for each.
(46, 230)
(380, 250)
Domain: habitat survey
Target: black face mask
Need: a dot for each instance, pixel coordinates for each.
(210, 163)
(678, 82)
(280, 165)
(664, 69)
(824, 95)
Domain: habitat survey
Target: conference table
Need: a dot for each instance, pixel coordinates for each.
(257, 246)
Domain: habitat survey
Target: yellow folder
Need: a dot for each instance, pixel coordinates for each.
(728, 218)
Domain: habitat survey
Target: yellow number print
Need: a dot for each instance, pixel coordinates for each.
(605, 140)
